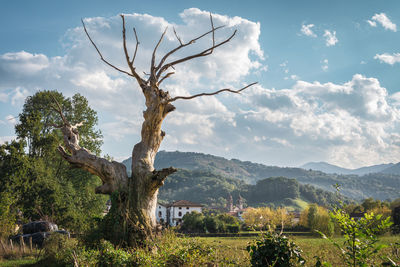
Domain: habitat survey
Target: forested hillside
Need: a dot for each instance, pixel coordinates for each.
(376, 185)
(213, 190)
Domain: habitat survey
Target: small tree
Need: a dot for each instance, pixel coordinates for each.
(360, 236)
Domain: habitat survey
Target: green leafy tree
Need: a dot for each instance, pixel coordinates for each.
(193, 222)
(360, 236)
(31, 169)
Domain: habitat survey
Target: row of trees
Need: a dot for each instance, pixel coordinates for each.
(35, 182)
(267, 218)
(318, 218)
(195, 222)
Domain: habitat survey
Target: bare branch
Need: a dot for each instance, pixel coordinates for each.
(214, 93)
(177, 37)
(165, 77)
(130, 63)
(213, 30)
(158, 177)
(58, 109)
(136, 47)
(160, 67)
(153, 57)
(101, 56)
(206, 52)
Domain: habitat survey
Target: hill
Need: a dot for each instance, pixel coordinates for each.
(213, 190)
(394, 169)
(333, 169)
(376, 185)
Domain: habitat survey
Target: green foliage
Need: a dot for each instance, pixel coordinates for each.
(200, 187)
(8, 214)
(193, 222)
(273, 249)
(110, 256)
(376, 185)
(167, 250)
(44, 185)
(212, 190)
(360, 236)
(59, 249)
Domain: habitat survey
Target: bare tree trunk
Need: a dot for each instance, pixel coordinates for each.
(132, 219)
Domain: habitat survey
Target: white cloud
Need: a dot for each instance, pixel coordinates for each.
(353, 123)
(330, 38)
(371, 23)
(23, 62)
(306, 30)
(19, 95)
(388, 58)
(383, 20)
(325, 65)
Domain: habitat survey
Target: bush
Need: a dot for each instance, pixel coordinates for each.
(233, 228)
(274, 250)
(360, 236)
(110, 256)
(58, 250)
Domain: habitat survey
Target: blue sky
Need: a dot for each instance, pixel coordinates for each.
(327, 71)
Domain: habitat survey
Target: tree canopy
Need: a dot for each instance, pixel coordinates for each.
(42, 183)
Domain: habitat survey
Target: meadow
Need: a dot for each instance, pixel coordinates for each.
(231, 251)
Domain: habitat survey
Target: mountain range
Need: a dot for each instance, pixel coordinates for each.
(329, 168)
(379, 185)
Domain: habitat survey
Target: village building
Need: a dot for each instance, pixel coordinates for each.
(238, 210)
(173, 213)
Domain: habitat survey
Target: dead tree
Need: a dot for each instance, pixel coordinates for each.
(135, 197)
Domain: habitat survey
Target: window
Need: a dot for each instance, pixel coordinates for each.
(187, 208)
(180, 208)
(159, 207)
(159, 214)
(179, 214)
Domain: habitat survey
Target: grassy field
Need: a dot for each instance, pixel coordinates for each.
(232, 250)
(235, 249)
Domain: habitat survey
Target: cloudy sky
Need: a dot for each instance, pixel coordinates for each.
(327, 71)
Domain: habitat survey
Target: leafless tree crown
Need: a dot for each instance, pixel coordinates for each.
(161, 71)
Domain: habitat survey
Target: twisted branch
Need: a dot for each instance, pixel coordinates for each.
(214, 93)
(101, 56)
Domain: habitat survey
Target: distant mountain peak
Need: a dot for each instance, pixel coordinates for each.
(330, 168)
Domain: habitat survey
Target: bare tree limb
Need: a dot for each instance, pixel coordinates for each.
(201, 54)
(165, 77)
(160, 67)
(113, 174)
(177, 37)
(214, 93)
(136, 47)
(158, 177)
(101, 56)
(59, 110)
(153, 57)
(130, 63)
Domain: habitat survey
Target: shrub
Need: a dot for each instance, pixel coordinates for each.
(360, 236)
(233, 228)
(274, 250)
(58, 250)
(110, 256)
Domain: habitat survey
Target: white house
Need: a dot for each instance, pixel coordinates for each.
(161, 213)
(174, 212)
